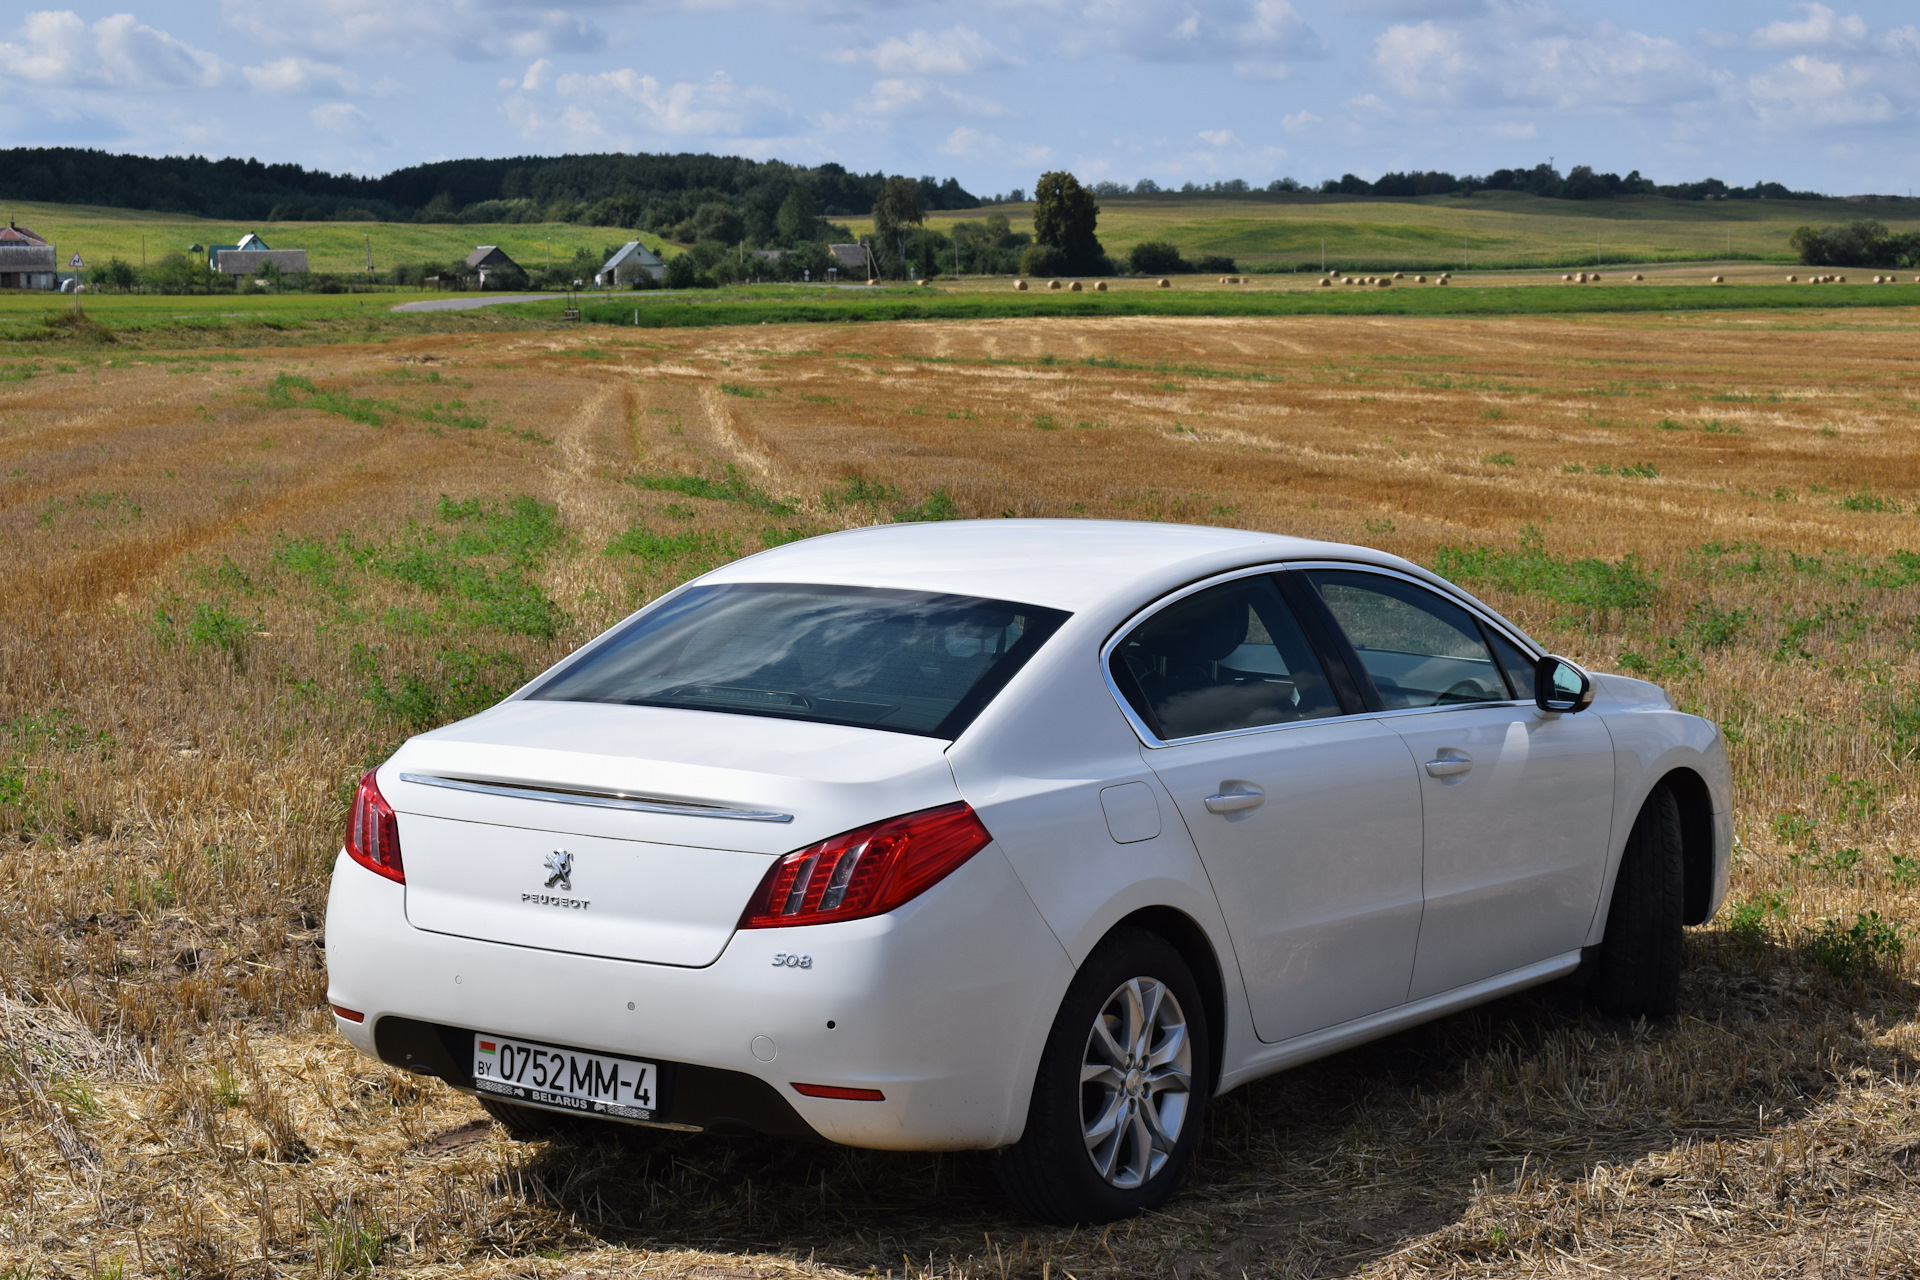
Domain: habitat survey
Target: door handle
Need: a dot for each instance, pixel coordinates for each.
(1234, 801)
(1451, 767)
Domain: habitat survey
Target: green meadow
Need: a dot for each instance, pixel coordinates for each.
(1492, 229)
(99, 234)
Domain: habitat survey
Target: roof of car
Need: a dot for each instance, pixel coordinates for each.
(1063, 564)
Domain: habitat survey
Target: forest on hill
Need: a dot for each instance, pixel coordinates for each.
(653, 192)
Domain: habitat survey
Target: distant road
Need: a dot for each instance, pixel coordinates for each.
(469, 303)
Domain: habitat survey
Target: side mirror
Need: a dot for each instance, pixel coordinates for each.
(1558, 685)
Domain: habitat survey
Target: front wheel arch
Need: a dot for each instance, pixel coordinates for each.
(1690, 793)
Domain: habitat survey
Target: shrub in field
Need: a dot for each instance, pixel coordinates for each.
(1846, 950)
(1157, 258)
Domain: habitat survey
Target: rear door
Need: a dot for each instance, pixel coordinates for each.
(1307, 817)
(1518, 803)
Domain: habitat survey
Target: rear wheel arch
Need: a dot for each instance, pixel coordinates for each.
(1695, 802)
(1186, 936)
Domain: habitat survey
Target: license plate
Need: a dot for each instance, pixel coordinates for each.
(544, 1075)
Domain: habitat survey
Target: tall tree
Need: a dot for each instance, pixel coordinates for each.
(797, 222)
(1064, 214)
(895, 208)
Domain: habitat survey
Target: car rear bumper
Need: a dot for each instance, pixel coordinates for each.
(943, 1006)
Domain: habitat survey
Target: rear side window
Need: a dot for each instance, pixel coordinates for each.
(1419, 648)
(908, 661)
(1230, 657)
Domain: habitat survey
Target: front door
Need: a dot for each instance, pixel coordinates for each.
(1518, 802)
(1307, 818)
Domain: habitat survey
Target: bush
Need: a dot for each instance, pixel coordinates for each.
(1862, 243)
(1043, 260)
(682, 272)
(1844, 950)
(1215, 263)
(1157, 258)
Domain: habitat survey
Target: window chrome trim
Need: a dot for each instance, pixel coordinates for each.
(597, 799)
(1152, 741)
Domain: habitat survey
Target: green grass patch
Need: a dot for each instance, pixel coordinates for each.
(1530, 569)
(731, 487)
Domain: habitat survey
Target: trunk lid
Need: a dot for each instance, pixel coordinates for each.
(636, 833)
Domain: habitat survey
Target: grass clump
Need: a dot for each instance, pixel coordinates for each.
(646, 545)
(456, 683)
(732, 487)
(1847, 950)
(1530, 569)
(939, 505)
(290, 391)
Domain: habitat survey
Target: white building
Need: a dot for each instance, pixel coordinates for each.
(625, 266)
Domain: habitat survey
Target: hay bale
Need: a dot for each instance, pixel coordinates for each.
(1074, 287)
(1638, 276)
(1100, 286)
(1719, 280)
(1593, 277)
(1165, 283)
(1021, 285)
(1399, 275)
(1564, 277)
(1419, 279)
(1384, 283)
(1324, 282)
(1793, 279)
(1053, 284)
(1443, 280)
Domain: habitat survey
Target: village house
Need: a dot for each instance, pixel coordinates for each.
(853, 260)
(26, 260)
(625, 266)
(489, 262)
(251, 254)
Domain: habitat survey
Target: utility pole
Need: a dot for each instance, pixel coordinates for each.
(369, 239)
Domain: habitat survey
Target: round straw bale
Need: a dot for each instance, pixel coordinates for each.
(1399, 275)
(1021, 285)
(1638, 276)
(1719, 279)
(1565, 276)
(1074, 287)
(1419, 279)
(1384, 283)
(1100, 286)
(1324, 282)
(1053, 284)
(1165, 283)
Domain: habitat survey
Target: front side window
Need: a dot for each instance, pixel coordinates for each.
(1230, 657)
(908, 661)
(1420, 649)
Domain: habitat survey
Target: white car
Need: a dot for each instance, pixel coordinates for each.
(1025, 835)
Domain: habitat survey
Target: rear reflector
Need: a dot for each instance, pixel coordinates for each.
(867, 872)
(835, 1091)
(348, 1015)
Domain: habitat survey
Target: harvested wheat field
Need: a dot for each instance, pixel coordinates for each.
(232, 580)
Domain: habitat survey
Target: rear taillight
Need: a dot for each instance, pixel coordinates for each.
(373, 833)
(867, 872)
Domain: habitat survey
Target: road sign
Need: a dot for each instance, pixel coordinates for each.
(74, 261)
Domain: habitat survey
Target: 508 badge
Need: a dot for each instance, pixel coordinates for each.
(787, 960)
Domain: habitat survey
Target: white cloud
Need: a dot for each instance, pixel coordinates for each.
(1200, 30)
(1818, 28)
(342, 118)
(55, 47)
(968, 143)
(1809, 90)
(1299, 121)
(464, 28)
(305, 76)
(953, 52)
(921, 96)
(1217, 137)
(629, 110)
(1602, 68)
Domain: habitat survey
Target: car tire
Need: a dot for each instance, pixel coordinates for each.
(1638, 973)
(1097, 1149)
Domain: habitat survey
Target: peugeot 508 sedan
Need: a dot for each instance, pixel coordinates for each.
(1022, 835)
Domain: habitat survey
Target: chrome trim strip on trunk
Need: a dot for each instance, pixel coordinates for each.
(597, 799)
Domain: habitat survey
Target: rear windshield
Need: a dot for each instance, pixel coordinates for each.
(908, 661)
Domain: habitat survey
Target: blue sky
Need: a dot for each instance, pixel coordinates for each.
(993, 91)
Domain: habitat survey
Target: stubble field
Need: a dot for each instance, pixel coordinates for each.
(235, 578)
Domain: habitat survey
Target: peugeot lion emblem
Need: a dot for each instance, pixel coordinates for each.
(560, 864)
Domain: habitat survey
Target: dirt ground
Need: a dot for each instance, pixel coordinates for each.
(234, 579)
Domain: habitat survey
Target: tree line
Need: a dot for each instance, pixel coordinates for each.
(1582, 182)
(649, 192)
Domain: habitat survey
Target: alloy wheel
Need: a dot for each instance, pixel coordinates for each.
(1136, 1081)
